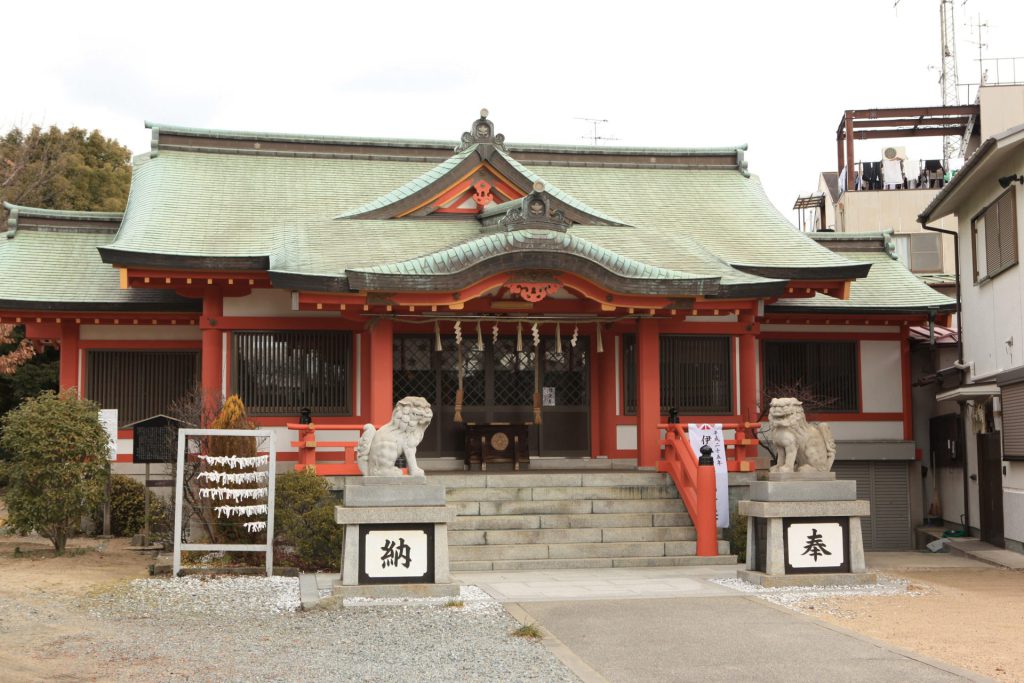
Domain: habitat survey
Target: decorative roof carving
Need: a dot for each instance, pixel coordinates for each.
(481, 132)
(536, 210)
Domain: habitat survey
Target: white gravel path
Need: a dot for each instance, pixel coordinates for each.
(249, 629)
(818, 599)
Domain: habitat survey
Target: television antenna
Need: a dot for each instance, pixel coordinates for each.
(594, 137)
(949, 82)
(978, 26)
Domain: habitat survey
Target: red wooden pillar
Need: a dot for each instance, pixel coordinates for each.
(908, 406)
(381, 371)
(596, 397)
(648, 392)
(606, 386)
(213, 347)
(69, 356)
(748, 370)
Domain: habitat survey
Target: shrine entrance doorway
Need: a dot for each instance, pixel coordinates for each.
(499, 384)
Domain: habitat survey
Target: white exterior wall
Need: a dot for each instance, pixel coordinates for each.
(881, 377)
(993, 310)
(993, 321)
(268, 303)
(140, 333)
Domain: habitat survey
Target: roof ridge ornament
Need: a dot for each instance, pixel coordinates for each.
(482, 132)
(535, 210)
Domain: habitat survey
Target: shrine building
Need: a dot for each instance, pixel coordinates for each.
(582, 294)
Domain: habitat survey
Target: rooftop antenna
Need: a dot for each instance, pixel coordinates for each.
(594, 137)
(979, 25)
(949, 81)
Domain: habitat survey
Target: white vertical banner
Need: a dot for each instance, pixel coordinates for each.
(711, 435)
(108, 418)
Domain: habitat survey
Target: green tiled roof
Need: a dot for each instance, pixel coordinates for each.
(59, 269)
(558, 194)
(465, 255)
(889, 286)
(413, 186)
(222, 205)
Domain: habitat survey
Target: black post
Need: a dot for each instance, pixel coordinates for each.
(705, 456)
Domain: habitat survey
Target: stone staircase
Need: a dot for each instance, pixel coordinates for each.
(575, 520)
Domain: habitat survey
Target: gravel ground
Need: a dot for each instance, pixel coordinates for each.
(249, 629)
(822, 599)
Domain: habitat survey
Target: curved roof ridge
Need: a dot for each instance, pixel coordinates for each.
(38, 212)
(611, 150)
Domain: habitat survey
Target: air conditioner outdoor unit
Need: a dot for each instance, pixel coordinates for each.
(894, 153)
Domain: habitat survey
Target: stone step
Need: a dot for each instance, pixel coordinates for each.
(558, 551)
(571, 535)
(580, 521)
(549, 479)
(488, 522)
(541, 507)
(524, 536)
(630, 492)
(652, 505)
(590, 563)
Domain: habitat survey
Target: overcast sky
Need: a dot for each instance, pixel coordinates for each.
(776, 75)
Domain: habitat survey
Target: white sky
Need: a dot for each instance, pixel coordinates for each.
(777, 75)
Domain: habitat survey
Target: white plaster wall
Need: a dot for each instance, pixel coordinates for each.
(1014, 478)
(993, 309)
(971, 463)
(867, 431)
(951, 493)
(625, 437)
(140, 332)
(267, 302)
(1013, 514)
(1003, 107)
(881, 376)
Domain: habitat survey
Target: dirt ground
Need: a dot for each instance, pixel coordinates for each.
(38, 596)
(968, 617)
(972, 618)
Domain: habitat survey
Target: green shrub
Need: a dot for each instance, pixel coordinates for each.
(738, 537)
(57, 467)
(128, 509)
(306, 535)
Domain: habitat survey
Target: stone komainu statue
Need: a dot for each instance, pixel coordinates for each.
(378, 450)
(800, 446)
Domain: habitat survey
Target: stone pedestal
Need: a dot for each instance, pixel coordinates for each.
(804, 529)
(396, 539)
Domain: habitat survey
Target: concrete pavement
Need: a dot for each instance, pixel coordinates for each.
(673, 624)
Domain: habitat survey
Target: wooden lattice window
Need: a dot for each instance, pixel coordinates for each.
(695, 372)
(994, 237)
(282, 372)
(140, 384)
(826, 371)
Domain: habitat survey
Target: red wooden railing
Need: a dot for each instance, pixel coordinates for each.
(696, 483)
(307, 445)
(696, 486)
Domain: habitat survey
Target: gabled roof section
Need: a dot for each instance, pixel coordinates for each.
(472, 261)
(49, 262)
(888, 287)
(991, 152)
(68, 221)
(480, 151)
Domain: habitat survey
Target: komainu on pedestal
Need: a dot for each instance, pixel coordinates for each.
(378, 450)
(801, 446)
